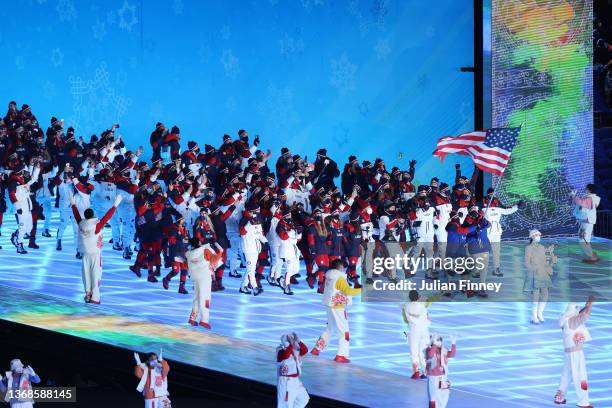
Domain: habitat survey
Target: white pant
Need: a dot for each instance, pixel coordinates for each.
(427, 247)
(127, 213)
(586, 233)
(234, 250)
(495, 252)
(437, 391)
(92, 273)
(290, 393)
(24, 221)
(394, 249)
(251, 265)
(201, 299)
(159, 402)
(47, 211)
(338, 318)
(66, 218)
(418, 340)
(574, 369)
(22, 405)
(276, 263)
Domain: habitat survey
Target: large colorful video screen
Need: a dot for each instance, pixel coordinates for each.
(542, 79)
(374, 78)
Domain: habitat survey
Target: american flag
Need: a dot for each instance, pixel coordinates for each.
(490, 149)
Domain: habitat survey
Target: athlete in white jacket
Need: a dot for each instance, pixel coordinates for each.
(90, 243)
(202, 261)
(586, 214)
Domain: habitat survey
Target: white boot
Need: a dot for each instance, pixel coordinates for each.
(541, 306)
(534, 314)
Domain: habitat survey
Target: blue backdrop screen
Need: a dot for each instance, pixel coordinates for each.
(375, 78)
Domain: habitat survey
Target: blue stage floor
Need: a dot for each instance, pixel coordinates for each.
(500, 356)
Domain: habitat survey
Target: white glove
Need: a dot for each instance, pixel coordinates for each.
(31, 371)
(118, 200)
(137, 358)
(326, 161)
(159, 357)
(453, 339)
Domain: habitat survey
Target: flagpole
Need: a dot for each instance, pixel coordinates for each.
(499, 180)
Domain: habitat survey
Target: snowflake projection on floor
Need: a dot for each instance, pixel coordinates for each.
(66, 10)
(231, 64)
(290, 46)
(341, 135)
(57, 57)
(278, 110)
(363, 109)
(369, 14)
(96, 103)
(127, 16)
(19, 62)
(177, 7)
(225, 32)
(382, 49)
(99, 30)
(343, 73)
(48, 90)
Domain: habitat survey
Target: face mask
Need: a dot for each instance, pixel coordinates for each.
(368, 210)
(537, 238)
(19, 370)
(438, 343)
(153, 364)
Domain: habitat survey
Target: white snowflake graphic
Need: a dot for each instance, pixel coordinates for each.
(343, 73)
(290, 46)
(382, 49)
(364, 109)
(378, 11)
(96, 104)
(66, 10)
(57, 57)
(48, 90)
(231, 64)
(19, 62)
(99, 30)
(225, 32)
(177, 7)
(341, 133)
(278, 110)
(127, 16)
(111, 18)
(308, 4)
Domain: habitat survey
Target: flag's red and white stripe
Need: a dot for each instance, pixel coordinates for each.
(491, 159)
